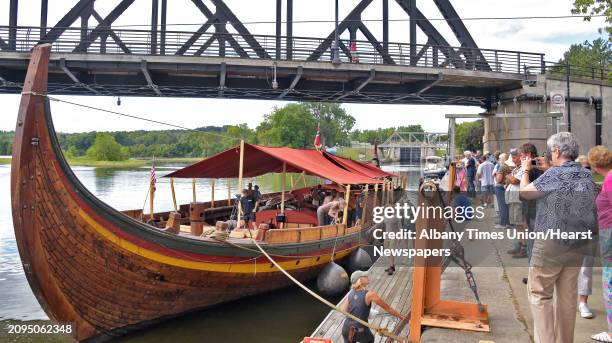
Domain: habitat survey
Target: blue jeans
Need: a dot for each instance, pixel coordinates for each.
(501, 204)
(471, 189)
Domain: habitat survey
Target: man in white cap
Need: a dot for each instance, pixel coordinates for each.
(358, 303)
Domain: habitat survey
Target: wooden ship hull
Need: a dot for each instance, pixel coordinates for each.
(109, 273)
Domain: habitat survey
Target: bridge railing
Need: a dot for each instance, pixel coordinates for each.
(145, 42)
(574, 71)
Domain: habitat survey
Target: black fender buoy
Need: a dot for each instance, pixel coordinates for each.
(333, 280)
(359, 260)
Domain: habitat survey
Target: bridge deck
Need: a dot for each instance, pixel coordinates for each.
(128, 65)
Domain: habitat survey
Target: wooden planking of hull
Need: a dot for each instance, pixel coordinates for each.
(108, 273)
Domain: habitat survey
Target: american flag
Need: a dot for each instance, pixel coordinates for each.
(153, 175)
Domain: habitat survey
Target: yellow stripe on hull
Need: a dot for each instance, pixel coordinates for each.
(223, 267)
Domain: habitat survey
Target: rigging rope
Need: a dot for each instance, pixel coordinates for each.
(134, 116)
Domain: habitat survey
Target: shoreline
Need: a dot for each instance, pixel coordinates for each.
(84, 162)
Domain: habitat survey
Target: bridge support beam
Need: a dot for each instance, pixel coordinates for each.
(74, 78)
(296, 79)
(13, 7)
(147, 75)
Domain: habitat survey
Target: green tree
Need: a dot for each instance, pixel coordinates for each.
(468, 135)
(105, 148)
(291, 125)
(595, 7)
(335, 122)
(597, 53)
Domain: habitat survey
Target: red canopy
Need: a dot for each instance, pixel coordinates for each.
(357, 167)
(259, 160)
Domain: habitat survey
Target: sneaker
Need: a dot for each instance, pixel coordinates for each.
(585, 311)
(499, 226)
(390, 270)
(602, 337)
(521, 254)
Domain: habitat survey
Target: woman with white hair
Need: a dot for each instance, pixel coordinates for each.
(565, 195)
(358, 303)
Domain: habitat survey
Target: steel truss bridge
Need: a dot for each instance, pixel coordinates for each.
(224, 59)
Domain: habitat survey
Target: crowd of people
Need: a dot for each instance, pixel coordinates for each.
(552, 191)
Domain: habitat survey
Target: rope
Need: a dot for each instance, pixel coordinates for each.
(128, 115)
(380, 330)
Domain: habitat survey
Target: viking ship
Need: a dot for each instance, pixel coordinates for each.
(111, 272)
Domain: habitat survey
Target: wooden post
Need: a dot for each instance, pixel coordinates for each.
(193, 190)
(240, 170)
(151, 200)
(383, 199)
(173, 194)
(346, 203)
(291, 181)
(428, 309)
(282, 225)
(375, 194)
(304, 179)
(229, 192)
(452, 176)
(212, 200)
(364, 205)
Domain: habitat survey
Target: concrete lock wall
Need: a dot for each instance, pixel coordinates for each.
(506, 133)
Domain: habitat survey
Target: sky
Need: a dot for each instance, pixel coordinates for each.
(549, 36)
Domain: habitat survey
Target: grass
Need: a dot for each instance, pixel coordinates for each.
(133, 163)
(353, 153)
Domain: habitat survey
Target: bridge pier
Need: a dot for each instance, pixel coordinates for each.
(589, 114)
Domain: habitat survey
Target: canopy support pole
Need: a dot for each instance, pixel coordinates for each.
(346, 203)
(212, 200)
(291, 181)
(364, 205)
(240, 170)
(173, 194)
(282, 225)
(383, 198)
(151, 200)
(193, 189)
(229, 192)
(375, 195)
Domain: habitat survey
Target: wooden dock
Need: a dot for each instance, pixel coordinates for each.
(394, 289)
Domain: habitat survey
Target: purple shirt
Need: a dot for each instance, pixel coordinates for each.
(604, 204)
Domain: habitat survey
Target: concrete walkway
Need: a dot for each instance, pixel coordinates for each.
(499, 279)
(500, 286)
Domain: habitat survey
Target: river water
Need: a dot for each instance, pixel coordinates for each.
(282, 316)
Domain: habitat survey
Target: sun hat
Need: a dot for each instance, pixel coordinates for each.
(357, 275)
